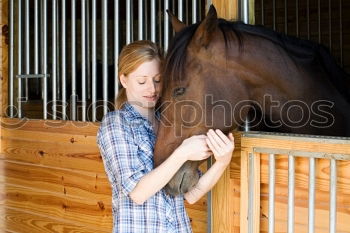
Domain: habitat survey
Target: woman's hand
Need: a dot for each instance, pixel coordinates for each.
(221, 145)
(194, 148)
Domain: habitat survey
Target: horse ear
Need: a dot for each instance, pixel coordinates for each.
(175, 22)
(206, 28)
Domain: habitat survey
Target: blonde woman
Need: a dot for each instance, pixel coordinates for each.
(126, 140)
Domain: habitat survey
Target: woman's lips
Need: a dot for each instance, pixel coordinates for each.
(151, 98)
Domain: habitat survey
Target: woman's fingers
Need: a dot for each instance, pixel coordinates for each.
(223, 136)
(212, 148)
(216, 138)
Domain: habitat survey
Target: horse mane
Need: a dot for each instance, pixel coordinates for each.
(302, 51)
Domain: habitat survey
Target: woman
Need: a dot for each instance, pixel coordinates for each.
(126, 140)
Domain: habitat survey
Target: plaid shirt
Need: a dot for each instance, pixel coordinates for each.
(126, 142)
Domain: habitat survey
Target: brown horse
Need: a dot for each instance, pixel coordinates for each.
(220, 74)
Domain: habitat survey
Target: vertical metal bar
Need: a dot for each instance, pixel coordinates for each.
(262, 13)
(10, 64)
(44, 56)
(146, 20)
(286, 16)
(140, 16)
(104, 54)
(333, 197)
(166, 25)
(194, 11)
(160, 23)
(251, 193)
(36, 43)
(180, 10)
(58, 74)
(330, 23)
(74, 92)
(297, 17)
(27, 47)
(291, 188)
(116, 47)
(19, 57)
(311, 195)
(83, 60)
(274, 14)
(308, 18)
(63, 57)
(153, 20)
(246, 11)
(93, 55)
(319, 20)
(54, 57)
(341, 32)
(88, 56)
(271, 193)
(128, 21)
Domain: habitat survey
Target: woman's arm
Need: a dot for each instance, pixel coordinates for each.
(194, 148)
(222, 148)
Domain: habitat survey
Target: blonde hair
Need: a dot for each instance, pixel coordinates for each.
(131, 57)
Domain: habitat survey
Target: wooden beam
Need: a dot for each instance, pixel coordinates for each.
(227, 9)
(3, 56)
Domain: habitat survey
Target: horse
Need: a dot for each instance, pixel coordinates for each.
(222, 74)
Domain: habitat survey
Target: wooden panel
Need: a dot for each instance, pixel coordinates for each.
(15, 220)
(3, 56)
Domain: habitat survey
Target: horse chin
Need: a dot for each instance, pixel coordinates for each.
(183, 181)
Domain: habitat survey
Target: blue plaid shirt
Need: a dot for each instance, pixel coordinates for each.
(126, 142)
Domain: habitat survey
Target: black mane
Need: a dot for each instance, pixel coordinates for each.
(302, 51)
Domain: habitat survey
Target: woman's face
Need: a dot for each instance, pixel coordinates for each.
(143, 85)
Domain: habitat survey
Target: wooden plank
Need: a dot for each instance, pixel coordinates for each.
(227, 9)
(62, 155)
(244, 192)
(92, 213)
(75, 183)
(3, 56)
(16, 220)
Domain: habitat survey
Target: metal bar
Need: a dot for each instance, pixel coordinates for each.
(245, 11)
(54, 61)
(27, 46)
(88, 56)
(308, 18)
(319, 20)
(132, 20)
(311, 195)
(194, 11)
(19, 57)
(262, 13)
(298, 153)
(74, 92)
(341, 32)
(128, 21)
(153, 20)
(333, 197)
(116, 47)
(83, 60)
(10, 64)
(330, 23)
(271, 193)
(44, 56)
(146, 17)
(291, 189)
(58, 48)
(36, 42)
(140, 16)
(160, 23)
(166, 25)
(104, 54)
(63, 57)
(297, 17)
(93, 55)
(286, 16)
(180, 10)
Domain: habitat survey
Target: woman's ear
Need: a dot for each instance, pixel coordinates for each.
(123, 80)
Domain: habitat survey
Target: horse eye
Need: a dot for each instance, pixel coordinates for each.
(179, 91)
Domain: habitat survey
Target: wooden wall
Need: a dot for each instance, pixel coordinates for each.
(53, 179)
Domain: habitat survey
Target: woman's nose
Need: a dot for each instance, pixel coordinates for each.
(151, 86)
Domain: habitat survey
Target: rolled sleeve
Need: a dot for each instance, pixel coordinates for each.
(119, 153)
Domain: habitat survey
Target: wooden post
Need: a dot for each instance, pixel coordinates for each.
(227, 9)
(3, 56)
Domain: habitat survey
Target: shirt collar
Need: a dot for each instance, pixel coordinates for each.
(132, 113)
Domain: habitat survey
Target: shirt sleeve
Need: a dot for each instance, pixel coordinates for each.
(119, 154)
